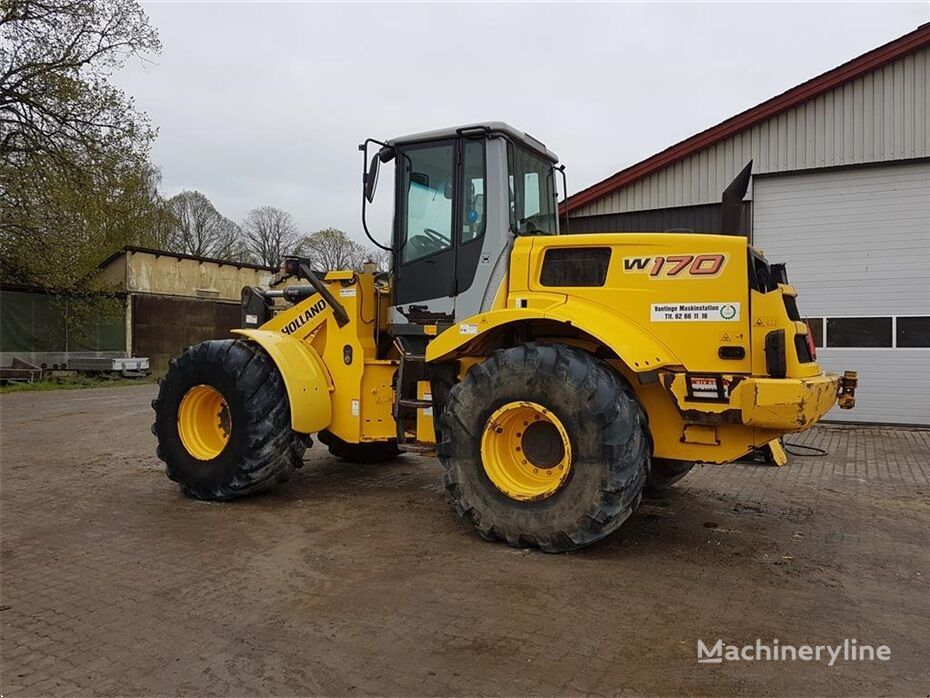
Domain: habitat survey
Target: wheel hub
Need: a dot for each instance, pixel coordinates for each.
(525, 451)
(204, 422)
(542, 444)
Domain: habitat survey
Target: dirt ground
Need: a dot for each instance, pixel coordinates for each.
(360, 580)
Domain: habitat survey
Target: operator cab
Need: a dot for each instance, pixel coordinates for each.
(461, 195)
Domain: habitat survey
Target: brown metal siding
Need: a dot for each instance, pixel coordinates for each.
(699, 219)
(162, 326)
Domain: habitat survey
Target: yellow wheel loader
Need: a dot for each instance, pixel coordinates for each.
(555, 376)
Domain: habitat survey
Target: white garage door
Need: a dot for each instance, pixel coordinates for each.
(857, 245)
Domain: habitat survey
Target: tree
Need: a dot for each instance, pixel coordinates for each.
(199, 229)
(75, 182)
(330, 249)
(270, 233)
(380, 257)
(56, 58)
(231, 243)
(59, 223)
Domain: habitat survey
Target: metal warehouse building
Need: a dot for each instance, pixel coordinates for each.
(840, 192)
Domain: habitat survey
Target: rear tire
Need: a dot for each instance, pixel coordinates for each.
(259, 448)
(365, 453)
(607, 438)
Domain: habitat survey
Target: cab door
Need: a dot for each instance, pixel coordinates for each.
(425, 227)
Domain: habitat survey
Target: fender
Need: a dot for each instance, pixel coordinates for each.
(306, 379)
(633, 344)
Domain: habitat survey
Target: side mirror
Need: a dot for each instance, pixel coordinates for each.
(371, 177)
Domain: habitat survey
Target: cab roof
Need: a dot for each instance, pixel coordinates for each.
(490, 127)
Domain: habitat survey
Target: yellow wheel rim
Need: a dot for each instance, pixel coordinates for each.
(525, 451)
(204, 422)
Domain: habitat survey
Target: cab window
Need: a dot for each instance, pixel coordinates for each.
(532, 193)
(473, 167)
(427, 217)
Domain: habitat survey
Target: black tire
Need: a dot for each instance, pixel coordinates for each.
(664, 473)
(607, 431)
(366, 453)
(262, 449)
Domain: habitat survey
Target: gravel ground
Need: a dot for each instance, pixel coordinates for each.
(360, 580)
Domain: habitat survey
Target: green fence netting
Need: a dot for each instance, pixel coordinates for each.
(37, 322)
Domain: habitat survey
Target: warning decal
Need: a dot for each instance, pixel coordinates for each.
(695, 312)
(703, 387)
(708, 388)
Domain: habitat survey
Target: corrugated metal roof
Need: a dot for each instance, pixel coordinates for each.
(755, 117)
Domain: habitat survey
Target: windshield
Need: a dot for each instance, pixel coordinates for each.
(532, 192)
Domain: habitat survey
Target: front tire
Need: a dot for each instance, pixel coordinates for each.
(222, 419)
(593, 427)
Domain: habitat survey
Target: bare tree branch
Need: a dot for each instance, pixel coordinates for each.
(332, 249)
(270, 233)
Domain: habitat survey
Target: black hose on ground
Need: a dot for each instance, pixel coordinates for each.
(812, 450)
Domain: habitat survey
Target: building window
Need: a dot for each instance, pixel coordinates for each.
(913, 332)
(575, 266)
(859, 332)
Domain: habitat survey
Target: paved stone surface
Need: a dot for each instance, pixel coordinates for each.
(360, 580)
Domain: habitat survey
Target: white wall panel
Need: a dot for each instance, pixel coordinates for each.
(857, 243)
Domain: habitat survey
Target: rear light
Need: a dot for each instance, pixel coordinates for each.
(810, 342)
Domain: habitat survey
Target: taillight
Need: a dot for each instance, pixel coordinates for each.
(810, 341)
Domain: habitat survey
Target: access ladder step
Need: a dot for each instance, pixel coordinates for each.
(414, 357)
(416, 404)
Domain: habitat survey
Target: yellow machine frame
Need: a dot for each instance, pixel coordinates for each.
(336, 382)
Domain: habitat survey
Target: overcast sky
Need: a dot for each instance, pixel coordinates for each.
(264, 103)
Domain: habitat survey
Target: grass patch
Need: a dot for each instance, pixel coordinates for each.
(73, 383)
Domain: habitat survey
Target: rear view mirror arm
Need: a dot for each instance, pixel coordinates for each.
(365, 174)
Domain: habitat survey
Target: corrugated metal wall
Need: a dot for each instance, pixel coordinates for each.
(881, 116)
(163, 326)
